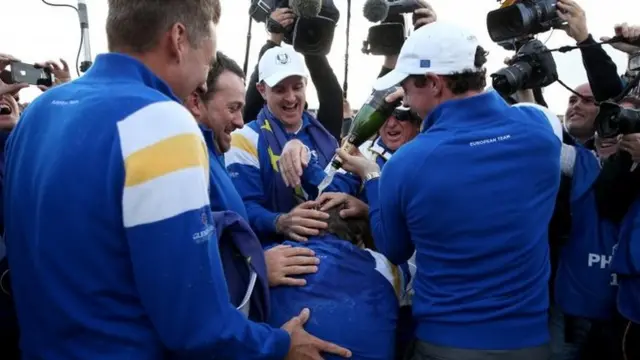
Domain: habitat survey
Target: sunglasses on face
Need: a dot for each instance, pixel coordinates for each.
(405, 115)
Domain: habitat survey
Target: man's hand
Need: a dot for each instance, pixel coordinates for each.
(9, 89)
(283, 16)
(353, 207)
(61, 73)
(423, 16)
(302, 221)
(304, 345)
(284, 261)
(631, 144)
(357, 164)
(5, 60)
(396, 95)
(629, 33)
(294, 158)
(574, 15)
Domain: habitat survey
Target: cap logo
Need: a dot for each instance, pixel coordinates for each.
(425, 64)
(282, 58)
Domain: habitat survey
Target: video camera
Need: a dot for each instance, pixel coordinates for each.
(313, 30)
(387, 37)
(532, 67)
(517, 21)
(612, 119)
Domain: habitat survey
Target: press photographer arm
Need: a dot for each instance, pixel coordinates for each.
(253, 100)
(601, 70)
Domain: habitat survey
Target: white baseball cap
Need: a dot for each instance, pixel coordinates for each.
(439, 48)
(279, 63)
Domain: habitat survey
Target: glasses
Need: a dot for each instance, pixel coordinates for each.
(405, 115)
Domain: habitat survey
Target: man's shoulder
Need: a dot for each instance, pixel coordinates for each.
(413, 155)
(244, 146)
(540, 115)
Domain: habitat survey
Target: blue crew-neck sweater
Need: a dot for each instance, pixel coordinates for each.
(473, 195)
(108, 225)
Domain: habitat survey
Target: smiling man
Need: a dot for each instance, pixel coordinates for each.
(399, 129)
(581, 114)
(218, 110)
(252, 161)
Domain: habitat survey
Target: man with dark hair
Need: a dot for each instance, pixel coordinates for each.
(217, 107)
(472, 195)
(108, 221)
(355, 293)
(218, 110)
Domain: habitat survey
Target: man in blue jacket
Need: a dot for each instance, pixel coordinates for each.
(107, 213)
(217, 107)
(255, 150)
(472, 195)
(354, 296)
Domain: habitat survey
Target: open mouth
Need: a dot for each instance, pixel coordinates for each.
(394, 134)
(5, 109)
(290, 109)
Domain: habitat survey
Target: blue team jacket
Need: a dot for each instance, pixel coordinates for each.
(351, 303)
(584, 284)
(473, 195)
(241, 253)
(626, 264)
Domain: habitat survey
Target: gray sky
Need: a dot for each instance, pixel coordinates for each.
(34, 32)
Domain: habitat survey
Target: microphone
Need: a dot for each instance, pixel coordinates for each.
(375, 10)
(618, 39)
(306, 8)
(84, 28)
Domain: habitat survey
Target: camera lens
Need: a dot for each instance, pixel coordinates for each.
(510, 79)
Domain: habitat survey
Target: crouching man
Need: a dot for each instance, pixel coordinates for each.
(354, 296)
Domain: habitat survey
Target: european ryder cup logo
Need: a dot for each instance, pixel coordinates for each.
(282, 58)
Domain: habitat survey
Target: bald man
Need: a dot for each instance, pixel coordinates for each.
(580, 114)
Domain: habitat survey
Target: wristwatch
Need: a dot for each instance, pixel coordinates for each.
(372, 175)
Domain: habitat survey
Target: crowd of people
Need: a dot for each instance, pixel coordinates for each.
(161, 206)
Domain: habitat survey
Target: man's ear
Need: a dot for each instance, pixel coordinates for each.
(193, 105)
(262, 89)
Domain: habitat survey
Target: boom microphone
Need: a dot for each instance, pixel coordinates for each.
(375, 10)
(306, 8)
(84, 27)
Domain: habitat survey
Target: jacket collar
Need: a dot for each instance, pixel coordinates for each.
(117, 67)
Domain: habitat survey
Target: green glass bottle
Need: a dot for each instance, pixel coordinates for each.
(369, 119)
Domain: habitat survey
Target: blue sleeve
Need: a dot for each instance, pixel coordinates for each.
(168, 224)
(243, 166)
(342, 182)
(386, 215)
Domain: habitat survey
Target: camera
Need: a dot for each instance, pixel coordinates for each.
(387, 37)
(532, 67)
(613, 120)
(309, 34)
(522, 20)
(313, 36)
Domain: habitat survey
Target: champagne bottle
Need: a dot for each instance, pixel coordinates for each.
(369, 119)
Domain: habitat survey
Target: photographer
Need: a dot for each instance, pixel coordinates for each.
(447, 186)
(322, 75)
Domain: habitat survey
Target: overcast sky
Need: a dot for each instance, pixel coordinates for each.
(34, 32)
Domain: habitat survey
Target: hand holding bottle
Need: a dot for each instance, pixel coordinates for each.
(397, 95)
(356, 163)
